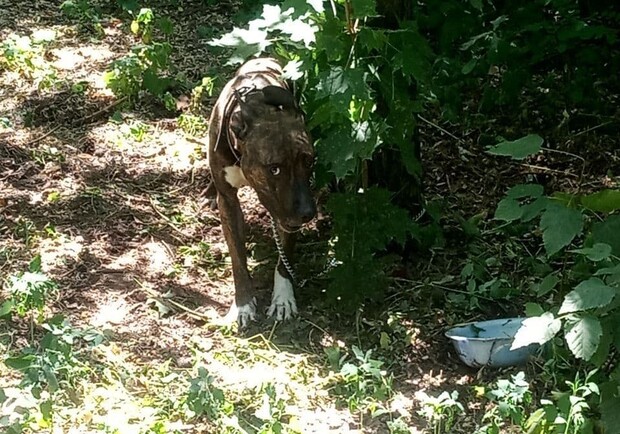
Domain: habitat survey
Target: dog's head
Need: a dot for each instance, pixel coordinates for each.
(277, 154)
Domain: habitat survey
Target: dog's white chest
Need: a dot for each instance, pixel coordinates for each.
(234, 176)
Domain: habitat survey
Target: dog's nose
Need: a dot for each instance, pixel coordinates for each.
(308, 211)
(303, 203)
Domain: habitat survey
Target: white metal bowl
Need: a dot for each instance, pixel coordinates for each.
(487, 343)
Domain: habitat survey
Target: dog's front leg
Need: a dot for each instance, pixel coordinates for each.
(233, 225)
(283, 304)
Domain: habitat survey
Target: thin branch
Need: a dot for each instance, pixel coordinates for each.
(77, 122)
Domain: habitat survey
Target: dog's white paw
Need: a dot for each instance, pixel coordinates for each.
(244, 314)
(283, 304)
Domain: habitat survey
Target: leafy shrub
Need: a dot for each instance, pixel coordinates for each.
(142, 70)
(85, 13)
(582, 298)
(146, 68)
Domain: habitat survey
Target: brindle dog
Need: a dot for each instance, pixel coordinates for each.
(258, 137)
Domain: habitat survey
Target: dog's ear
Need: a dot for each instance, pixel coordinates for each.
(279, 97)
(251, 107)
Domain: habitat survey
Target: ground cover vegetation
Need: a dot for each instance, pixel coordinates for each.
(467, 168)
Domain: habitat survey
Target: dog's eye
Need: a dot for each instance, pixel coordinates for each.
(275, 170)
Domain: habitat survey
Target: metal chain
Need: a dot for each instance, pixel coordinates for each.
(287, 264)
(283, 257)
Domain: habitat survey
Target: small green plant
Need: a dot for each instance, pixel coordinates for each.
(510, 399)
(26, 230)
(440, 412)
(192, 124)
(85, 13)
(25, 55)
(204, 399)
(30, 290)
(206, 86)
(271, 410)
(138, 130)
(569, 411)
(145, 23)
(53, 363)
(142, 70)
(398, 426)
(47, 154)
(146, 68)
(581, 299)
(196, 254)
(80, 87)
(361, 384)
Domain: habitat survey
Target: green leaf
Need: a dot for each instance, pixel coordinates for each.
(534, 209)
(537, 329)
(583, 335)
(608, 232)
(153, 83)
(560, 225)
(596, 253)
(342, 150)
(20, 363)
(384, 341)
(51, 378)
(603, 201)
(6, 308)
(608, 271)
(299, 31)
(601, 354)
(533, 309)
(135, 27)
(46, 410)
(521, 191)
(477, 4)
(589, 294)
(342, 81)
(35, 264)
(336, 153)
(372, 39)
(610, 416)
(547, 284)
(364, 8)
(469, 66)
(508, 210)
(518, 149)
(165, 25)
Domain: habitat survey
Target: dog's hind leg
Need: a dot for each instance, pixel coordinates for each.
(283, 304)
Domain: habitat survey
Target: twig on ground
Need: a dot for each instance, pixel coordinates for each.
(547, 169)
(166, 219)
(174, 304)
(588, 130)
(77, 122)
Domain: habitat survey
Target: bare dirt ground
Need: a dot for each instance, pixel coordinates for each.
(124, 228)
